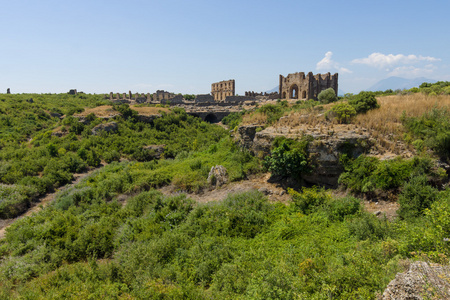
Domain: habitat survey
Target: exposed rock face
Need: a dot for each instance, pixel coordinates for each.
(217, 176)
(156, 151)
(110, 127)
(422, 281)
(324, 150)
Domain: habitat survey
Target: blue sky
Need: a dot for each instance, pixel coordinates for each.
(100, 46)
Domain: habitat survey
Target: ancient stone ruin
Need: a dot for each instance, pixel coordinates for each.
(299, 86)
(73, 92)
(8, 91)
(263, 96)
(220, 90)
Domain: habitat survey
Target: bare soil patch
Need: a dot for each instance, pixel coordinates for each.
(259, 182)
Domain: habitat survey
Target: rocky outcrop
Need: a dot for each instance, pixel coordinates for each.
(217, 176)
(156, 151)
(421, 281)
(325, 149)
(110, 127)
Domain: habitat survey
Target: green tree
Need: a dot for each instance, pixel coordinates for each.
(327, 96)
(364, 102)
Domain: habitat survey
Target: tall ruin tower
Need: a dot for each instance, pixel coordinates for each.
(299, 86)
(220, 90)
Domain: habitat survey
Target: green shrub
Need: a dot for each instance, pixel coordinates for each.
(92, 158)
(339, 208)
(233, 119)
(15, 199)
(344, 112)
(327, 96)
(364, 102)
(433, 127)
(111, 156)
(288, 158)
(416, 196)
(367, 174)
(368, 226)
(310, 200)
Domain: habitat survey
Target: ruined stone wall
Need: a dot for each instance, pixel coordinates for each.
(177, 99)
(204, 98)
(263, 96)
(221, 90)
(162, 95)
(238, 99)
(301, 86)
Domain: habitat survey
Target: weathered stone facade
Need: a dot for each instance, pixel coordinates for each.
(220, 90)
(263, 96)
(162, 95)
(299, 86)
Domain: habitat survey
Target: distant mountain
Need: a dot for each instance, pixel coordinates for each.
(275, 89)
(398, 83)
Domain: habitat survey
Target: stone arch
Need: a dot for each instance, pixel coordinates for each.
(304, 94)
(293, 92)
(211, 118)
(284, 95)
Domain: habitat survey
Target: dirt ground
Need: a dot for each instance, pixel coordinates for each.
(273, 191)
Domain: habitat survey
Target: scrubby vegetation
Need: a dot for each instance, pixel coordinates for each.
(37, 162)
(114, 236)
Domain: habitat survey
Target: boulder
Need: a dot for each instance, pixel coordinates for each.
(422, 281)
(156, 151)
(110, 127)
(217, 176)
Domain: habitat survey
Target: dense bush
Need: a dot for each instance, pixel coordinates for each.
(433, 128)
(343, 112)
(327, 96)
(364, 101)
(367, 174)
(233, 119)
(416, 196)
(288, 158)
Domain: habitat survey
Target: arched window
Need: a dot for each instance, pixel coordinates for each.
(293, 92)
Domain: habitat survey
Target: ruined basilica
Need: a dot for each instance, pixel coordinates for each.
(223, 93)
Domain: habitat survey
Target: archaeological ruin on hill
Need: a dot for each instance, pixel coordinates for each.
(223, 93)
(299, 86)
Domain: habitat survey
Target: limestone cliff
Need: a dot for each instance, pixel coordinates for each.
(325, 149)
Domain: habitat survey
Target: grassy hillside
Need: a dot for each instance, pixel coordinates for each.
(114, 236)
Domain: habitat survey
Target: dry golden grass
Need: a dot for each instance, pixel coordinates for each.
(256, 118)
(384, 124)
(387, 119)
(150, 110)
(99, 111)
(107, 111)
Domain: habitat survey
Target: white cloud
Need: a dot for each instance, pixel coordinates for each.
(380, 60)
(412, 72)
(328, 64)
